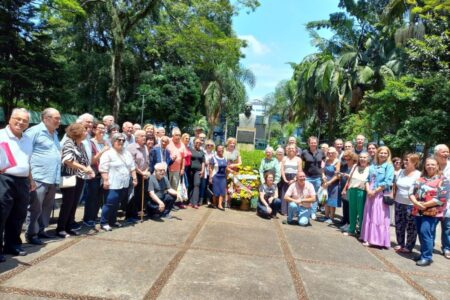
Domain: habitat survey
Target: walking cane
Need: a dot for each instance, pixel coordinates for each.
(142, 200)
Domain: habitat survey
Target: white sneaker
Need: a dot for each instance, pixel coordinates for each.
(313, 216)
(106, 227)
(328, 221)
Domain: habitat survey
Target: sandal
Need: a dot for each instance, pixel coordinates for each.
(398, 247)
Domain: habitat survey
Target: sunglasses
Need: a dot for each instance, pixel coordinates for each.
(120, 140)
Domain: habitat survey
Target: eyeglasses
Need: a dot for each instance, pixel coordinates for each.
(25, 121)
(209, 145)
(120, 140)
(399, 162)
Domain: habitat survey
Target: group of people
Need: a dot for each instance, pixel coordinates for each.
(140, 172)
(145, 173)
(370, 185)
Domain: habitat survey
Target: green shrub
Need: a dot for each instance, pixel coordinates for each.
(252, 158)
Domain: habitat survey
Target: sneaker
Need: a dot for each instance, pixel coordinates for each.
(167, 217)
(63, 234)
(313, 216)
(286, 222)
(89, 223)
(117, 225)
(175, 208)
(344, 227)
(328, 221)
(106, 227)
(76, 226)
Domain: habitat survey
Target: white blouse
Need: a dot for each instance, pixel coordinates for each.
(118, 166)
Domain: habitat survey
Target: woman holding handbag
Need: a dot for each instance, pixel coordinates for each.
(404, 220)
(116, 167)
(355, 189)
(75, 163)
(376, 220)
(429, 195)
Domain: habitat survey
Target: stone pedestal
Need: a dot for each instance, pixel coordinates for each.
(245, 137)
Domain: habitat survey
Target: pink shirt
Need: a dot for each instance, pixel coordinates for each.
(295, 191)
(179, 151)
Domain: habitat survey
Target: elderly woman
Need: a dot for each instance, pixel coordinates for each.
(331, 182)
(94, 189)
(269, 203)
(233, 158)
(74, 162)
(375, 229)
(218, 177)
(110, 130)
(195, 172)
(404, 220)
(185, 138)
(289, 169)
(209, 153)
(269, 164)
(116, 167)
(349, 159)
(355, 190)
(429, 194)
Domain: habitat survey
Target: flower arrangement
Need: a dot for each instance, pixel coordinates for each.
(243, 184)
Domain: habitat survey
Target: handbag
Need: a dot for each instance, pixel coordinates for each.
(388, 198)
(68, 181)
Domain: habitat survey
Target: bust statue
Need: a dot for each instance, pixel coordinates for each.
(247, 119)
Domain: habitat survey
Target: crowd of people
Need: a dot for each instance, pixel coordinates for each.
(144, 173)
(372, 188)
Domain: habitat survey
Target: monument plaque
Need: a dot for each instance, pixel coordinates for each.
(246, 135)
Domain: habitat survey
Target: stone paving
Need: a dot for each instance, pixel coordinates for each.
(210, 254)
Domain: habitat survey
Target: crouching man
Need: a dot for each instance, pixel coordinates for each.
(300, 197)
(161, 194)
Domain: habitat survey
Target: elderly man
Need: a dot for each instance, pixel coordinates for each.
(15, 183)
(127, 129)
(45, 169)
(136, 127)
(339, 145)
(161, 194)
(160, 153)
(360, 140)
(348, 145)
(108, 120)
(441, 154)
(197, 131)
(160, 132)
(300, 197)
(140, 156)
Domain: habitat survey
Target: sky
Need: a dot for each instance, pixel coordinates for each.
(276, 34)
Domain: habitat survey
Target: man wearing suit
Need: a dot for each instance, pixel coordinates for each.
(160, 153)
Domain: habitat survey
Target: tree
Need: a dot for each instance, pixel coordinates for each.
(28, 72)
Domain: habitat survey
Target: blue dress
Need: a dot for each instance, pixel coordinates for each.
(219, 179)
(333, 189)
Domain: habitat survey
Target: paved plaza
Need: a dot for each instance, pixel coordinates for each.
(210, 254)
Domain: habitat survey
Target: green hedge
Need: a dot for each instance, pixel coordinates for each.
(252, 158)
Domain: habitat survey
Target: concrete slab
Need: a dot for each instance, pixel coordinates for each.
(98, 268)
(342, 250)
(243, 218)
(331, 282)
(20, 297)
(236, 238)
(206, 275)
(438, 288)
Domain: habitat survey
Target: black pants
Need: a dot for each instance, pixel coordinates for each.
(153, 207)
(70, 198)
(14, 200)
(194, 186)
(135, 204)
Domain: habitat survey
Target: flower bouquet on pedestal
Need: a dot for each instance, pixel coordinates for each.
(243, 186)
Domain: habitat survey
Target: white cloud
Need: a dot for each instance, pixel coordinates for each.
(254, 46)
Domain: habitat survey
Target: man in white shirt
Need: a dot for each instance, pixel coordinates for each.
(15, 184)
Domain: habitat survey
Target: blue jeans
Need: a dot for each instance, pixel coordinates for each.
(426, 228)
(275, 206)
(112, 201)
(303, 213)
(316, 182)
(445, 236)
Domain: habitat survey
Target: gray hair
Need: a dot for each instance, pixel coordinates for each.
(439, 148)
(269, 148)
(161, 166)
(19, 109)
(175, 130)
(117, 136)
(137, 132)
(48, 112)
(84, 117)
(107, 117)
(280, 150)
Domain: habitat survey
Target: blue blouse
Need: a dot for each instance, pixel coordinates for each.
(382, 175)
